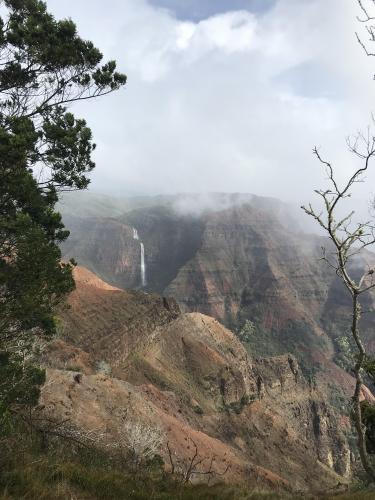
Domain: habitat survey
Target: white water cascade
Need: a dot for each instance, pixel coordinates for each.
(143, 266)
(143, 262)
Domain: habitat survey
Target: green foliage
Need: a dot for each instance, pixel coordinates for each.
(198, 410)
(368, 418)
(259, 340)
(344, 352)
(247, 332)
(369, 367)
(30, 471)
(44, 66)
(295, 337)
(104, 368)
(19, 385)
(33, 280)
(338, 399)
(44, 149)
(238, 406)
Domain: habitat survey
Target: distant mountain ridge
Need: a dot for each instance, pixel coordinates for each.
(235, 257)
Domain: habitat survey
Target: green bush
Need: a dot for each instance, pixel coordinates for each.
(20, 385)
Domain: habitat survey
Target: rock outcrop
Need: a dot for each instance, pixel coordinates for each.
(108, 323)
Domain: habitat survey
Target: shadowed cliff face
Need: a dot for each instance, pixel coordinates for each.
(108, 247)
(170, 240)
(217, 262)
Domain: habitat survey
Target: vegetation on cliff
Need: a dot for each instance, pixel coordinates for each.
(44, 150)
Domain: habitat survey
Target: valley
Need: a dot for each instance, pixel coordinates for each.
(268, 402)
(188, 376)
(237, 258)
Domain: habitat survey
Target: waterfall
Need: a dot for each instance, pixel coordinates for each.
(143, 262)
(143, 266)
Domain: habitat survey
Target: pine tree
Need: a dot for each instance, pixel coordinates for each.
(44, 150)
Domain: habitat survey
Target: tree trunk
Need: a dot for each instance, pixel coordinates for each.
(357, 411)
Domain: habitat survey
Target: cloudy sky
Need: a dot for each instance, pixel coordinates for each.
(225, 95)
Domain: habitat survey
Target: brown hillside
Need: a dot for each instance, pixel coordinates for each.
(110, 323)
(192, 378)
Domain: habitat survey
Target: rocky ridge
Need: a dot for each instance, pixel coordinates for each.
(190, 377)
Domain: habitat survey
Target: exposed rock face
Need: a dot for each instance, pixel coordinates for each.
(208, 362)
(170, 241)
(102, 406)
(248, 257)
(191, 377)
(248, 261)
(198, 358)
(325, 432)
(110, 323)
(306, 410)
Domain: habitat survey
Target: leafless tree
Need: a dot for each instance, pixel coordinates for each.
(349, 240)
(196, 465)
(367, 18)
(139, 442)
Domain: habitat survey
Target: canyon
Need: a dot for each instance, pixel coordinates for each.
(232, 257)
(215, 323)
(256, 419)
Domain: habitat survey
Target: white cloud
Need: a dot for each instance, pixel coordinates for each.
(205, 108)
(230, 32)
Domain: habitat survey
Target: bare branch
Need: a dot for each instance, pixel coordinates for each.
(350, 240)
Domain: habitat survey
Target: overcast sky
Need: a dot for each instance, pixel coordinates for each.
(224, 95)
